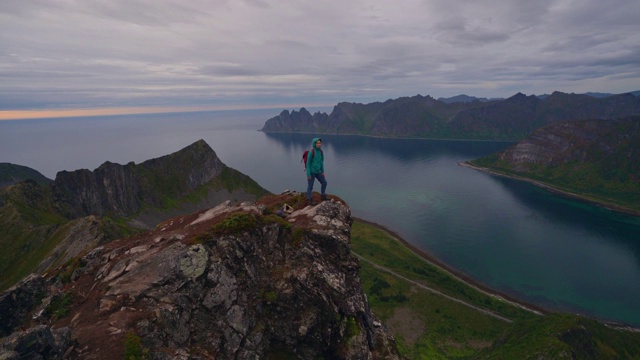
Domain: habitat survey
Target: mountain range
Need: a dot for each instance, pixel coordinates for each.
(425, 117)
(466, 98)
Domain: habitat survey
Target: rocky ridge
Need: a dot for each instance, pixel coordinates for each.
(424, 117)
(122, 190)
(234, 281)
(47, 225)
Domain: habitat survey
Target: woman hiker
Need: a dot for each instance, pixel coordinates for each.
(315, 170)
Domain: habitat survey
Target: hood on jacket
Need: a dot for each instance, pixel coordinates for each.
(313, 143)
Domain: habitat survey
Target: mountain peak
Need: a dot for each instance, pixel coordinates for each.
(121, 190)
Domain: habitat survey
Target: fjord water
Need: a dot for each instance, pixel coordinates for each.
(539, 247)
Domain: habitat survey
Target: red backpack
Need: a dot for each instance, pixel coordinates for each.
(305, 155)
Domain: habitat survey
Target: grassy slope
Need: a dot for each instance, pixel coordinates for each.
(605, 170)
(428, 326)
(584, 181)
(26, 222)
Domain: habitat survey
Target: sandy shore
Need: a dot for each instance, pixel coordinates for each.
(556, 190)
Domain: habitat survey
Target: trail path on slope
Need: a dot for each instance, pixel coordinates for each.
(422, 286)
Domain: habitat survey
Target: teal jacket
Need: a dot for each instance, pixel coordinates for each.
(315, 160)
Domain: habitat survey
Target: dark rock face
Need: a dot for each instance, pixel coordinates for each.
(18, 301)
(121, 190)
(207, 286)
(38, 342)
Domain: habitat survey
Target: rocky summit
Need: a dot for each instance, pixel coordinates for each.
(250, 281)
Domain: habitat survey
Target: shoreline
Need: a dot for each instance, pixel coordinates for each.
(553, 189)
(479, 286)
(385, 137)
(457, 274)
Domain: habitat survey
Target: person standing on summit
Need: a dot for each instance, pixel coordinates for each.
(315, 170)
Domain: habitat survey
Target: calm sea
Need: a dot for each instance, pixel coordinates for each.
(518, 239)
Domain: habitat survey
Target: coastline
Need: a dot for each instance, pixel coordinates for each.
(386, 137)
(479, 286)
(606, 205)
(466, 279)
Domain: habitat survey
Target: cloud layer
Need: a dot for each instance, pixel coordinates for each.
(117, 53)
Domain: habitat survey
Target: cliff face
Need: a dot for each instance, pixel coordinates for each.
(227, 283)
(423, 116)
(121, 190)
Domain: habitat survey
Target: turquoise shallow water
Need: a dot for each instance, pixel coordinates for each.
(512, 236)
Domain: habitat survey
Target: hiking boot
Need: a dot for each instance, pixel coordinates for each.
(311, 202)
(324, 197)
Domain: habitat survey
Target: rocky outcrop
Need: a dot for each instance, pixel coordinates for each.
(231, 282)
(18, 301)
(38, 342)
(121, 190)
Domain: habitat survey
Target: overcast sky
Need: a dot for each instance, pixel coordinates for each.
(66, 54)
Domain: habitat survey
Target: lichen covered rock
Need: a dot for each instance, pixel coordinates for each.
(230, 282)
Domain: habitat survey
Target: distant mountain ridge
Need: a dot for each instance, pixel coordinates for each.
(467, 98)
(425, 117)
(463, 98)
(13, 173)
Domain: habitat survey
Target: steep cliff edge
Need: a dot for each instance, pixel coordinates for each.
(228, 282)
(593, 159)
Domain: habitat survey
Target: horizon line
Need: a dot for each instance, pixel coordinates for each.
(8, 115)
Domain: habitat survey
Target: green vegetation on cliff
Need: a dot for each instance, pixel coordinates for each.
(31, 228)
(593, 159)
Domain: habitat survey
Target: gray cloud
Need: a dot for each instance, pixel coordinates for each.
(72, 53)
